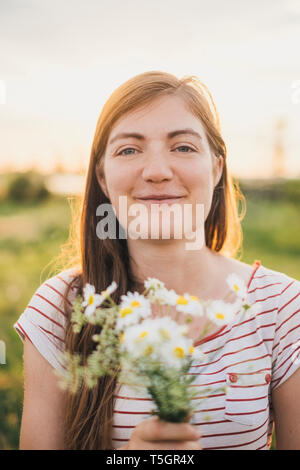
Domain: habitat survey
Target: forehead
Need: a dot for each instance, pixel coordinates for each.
(162, 115)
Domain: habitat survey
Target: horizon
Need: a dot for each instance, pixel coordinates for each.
(61, 62)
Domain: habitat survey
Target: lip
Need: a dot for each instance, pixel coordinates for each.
(160, 196)
(160, 200)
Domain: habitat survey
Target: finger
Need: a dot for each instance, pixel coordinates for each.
(158, 430)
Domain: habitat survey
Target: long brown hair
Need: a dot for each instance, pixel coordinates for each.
(89, 413)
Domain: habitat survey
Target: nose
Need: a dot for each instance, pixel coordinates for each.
(157, 168)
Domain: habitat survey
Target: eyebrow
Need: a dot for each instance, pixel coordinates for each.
(170, 135)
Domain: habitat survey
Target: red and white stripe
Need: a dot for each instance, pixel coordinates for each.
(259, 352)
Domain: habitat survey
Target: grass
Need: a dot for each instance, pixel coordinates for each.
(271, 235)
(31, 241)
(31, 236)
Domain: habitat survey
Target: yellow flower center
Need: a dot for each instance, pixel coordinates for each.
(126, 311)
(236, 287)
(191, 349)
(194, 297)
(179, 352)
(182, 300)
(143, 334)
(135, 303)
(165, 334)
(122, 337)
(104, 293)
(148, 351)
(91, 299)
(220, 316)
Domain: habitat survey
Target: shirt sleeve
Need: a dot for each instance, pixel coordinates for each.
(44, 319)
(286, 346)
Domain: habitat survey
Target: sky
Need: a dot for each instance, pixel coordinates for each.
(61, 60)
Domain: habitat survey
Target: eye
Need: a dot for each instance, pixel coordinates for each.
(124, 150)
(179, 147)
(185, 147)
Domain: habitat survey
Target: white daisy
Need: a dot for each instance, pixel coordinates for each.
(156, 338)
(153, 284)
(237, 285)
(163, 296)
(91, 299)
(133, 307)
(139, 340)
(111, 288)
(168, 328)
(189, 304)
(221, 312)
(176, 350)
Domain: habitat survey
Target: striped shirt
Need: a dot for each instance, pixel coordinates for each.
(245, 361)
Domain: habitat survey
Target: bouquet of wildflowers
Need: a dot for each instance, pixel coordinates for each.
(147, 341)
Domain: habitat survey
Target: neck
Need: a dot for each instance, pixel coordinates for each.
(169, 261)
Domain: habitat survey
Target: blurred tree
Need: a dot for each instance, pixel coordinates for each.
(27, 187)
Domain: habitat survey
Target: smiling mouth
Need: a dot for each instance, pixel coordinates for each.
(171, 200)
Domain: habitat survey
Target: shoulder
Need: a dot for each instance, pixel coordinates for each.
(279, 295)
(57, 286)
(267, 284)
(44, 320)
(277, 298)
(50, 295)
(46, 308)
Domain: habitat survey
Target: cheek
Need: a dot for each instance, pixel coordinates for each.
(200, 183)
(118, 180)
(199, 180)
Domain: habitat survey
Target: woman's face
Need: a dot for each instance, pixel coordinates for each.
(155, 164)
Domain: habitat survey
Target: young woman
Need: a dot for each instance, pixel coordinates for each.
(159, 137)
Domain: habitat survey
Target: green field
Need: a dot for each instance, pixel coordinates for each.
(272, 235)
(31, 236)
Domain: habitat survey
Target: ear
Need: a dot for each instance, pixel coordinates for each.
(218, 169)
(101, 181)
